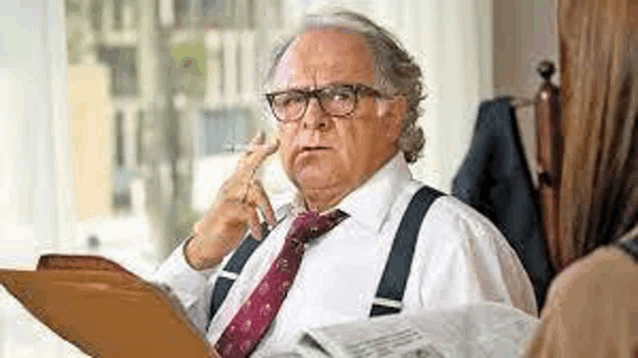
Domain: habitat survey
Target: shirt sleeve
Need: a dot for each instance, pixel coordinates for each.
(193, 288)
(473, 263)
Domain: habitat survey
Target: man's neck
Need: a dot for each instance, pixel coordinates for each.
(322, 200)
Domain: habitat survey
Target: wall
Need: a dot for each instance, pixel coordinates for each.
(524, 34)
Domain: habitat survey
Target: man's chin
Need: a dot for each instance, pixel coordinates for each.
(314, 180)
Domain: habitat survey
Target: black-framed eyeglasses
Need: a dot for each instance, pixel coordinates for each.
(335, 100)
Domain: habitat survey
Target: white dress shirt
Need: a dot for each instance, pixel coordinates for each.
(460, 257)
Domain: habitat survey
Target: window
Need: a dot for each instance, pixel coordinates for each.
(223, 130)
(122, 61)
(73, 6)
(139, 138)
(238, 64)
(228, 13)
(121, 189)
(96, 14)
(117, 14)
(119, 139)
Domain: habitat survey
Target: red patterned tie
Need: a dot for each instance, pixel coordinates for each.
(255, 316)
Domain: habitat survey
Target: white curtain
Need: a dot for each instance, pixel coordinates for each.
(452, 41)
(36, 185)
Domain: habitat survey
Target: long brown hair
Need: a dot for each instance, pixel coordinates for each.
(599, 187)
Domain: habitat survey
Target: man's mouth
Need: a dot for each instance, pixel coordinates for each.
(312, 149)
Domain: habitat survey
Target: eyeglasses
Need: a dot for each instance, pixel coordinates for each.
(335, 100)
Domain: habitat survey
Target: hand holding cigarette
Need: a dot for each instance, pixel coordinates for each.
(235, 209)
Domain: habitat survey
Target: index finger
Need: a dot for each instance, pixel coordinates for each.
(259, 153)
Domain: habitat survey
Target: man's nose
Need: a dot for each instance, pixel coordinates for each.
(315, 117)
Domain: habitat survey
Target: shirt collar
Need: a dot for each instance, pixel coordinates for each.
(369, 204)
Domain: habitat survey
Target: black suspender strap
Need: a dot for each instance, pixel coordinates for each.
(229, 273)
(389, 296)
(630, 246)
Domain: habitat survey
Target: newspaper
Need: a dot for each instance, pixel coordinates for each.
(477, 330)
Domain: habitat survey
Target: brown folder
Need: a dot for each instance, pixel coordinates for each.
(105, 310)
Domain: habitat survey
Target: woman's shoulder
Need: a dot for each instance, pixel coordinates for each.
(607, 267)
(596, 293)
(604, 281)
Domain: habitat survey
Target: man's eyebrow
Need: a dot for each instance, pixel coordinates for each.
(338, 84)
(312, 88)
(327, 85)
(294, 88)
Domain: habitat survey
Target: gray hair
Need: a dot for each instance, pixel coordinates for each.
(396, 72)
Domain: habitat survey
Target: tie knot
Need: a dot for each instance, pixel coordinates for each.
(310, 224)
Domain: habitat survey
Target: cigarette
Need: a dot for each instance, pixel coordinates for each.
(243, 148)
(236, 148)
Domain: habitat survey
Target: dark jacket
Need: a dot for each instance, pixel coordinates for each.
(495, 180)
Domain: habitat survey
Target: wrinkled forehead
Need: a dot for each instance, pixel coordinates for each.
(320, 57)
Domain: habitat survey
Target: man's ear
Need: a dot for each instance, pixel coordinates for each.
(392, 112)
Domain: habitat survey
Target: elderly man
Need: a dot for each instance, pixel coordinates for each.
(362, 238)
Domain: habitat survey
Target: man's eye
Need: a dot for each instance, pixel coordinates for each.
(338, 94)
(289, 99)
